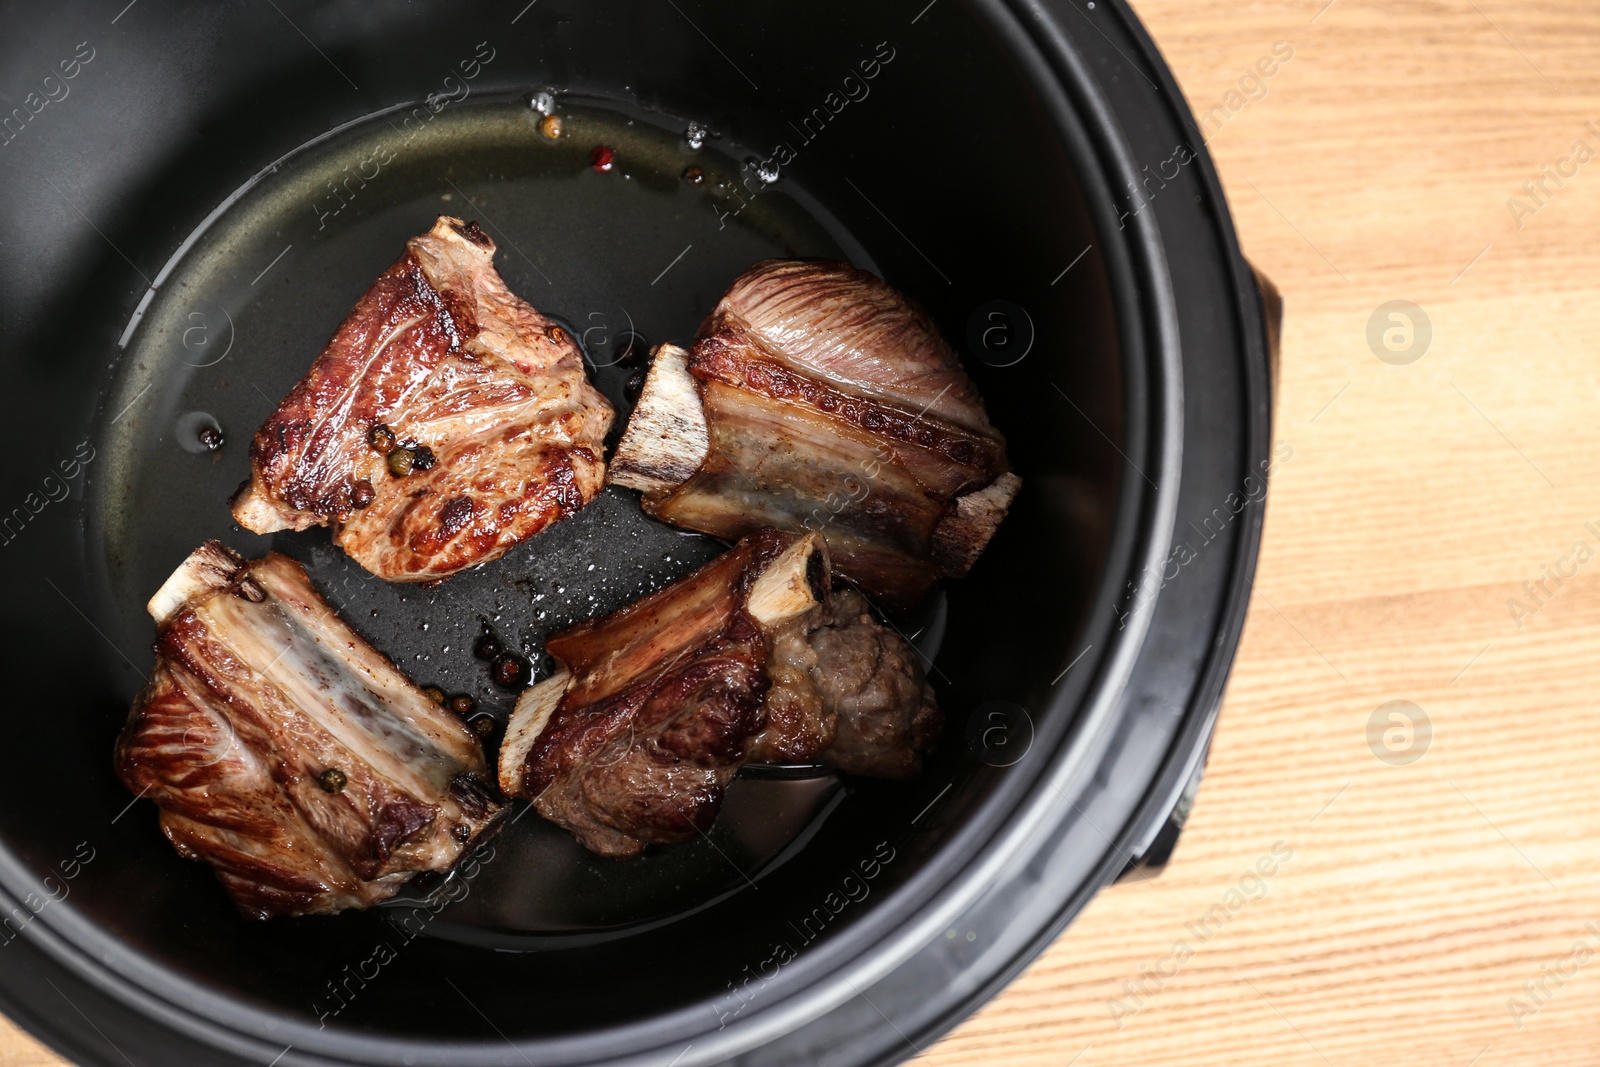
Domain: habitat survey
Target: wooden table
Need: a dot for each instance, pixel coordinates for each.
(1430, 912)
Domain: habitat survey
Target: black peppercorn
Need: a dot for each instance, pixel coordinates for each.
(488, 647)
(632, 348)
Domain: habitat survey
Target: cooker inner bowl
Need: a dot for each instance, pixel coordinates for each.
(921, 151)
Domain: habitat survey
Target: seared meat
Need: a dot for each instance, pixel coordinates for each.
(848, 692)
(286, 752)
(633, 741)
(650, 765)
(657, 706)
(445, 422)
(816, 397)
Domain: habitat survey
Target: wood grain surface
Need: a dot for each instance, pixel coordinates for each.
(1431, 912)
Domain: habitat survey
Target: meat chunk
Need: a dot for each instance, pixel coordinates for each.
(656, 706)
(848, 692)
(816, 397)
(445, 422)
(634, 740)
(286, 752)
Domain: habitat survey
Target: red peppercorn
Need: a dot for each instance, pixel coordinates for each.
(602, 158)
(510, 671)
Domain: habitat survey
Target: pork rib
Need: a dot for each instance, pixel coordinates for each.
(289, 754)
(656, 706)
(501, 432)
(816, 397)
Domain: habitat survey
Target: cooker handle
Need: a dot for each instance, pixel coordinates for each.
(1150, 858)
(1272, 314)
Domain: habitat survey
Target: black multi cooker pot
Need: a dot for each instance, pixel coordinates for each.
(196, 193)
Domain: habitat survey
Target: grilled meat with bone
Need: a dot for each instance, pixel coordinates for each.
(444, 423)
(286, 752)
(816, 397)
(656, 706)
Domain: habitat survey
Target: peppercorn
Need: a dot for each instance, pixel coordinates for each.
(510, 671)
(483, 725)
(693, 174)
(401, 460)
(631, 348)
(362, 493)
(488, 647)
(333, 780)
(634, 386)
(422, 457)
(381, 438)
(210, 438)
(461, 704)
(550, 126)
(557, 334)
(435, 694)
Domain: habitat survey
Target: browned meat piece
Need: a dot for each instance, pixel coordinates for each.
(655, 707)
(816, 397)
(498, 432)
(633, 741)
(286, 752)
(848, 692)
